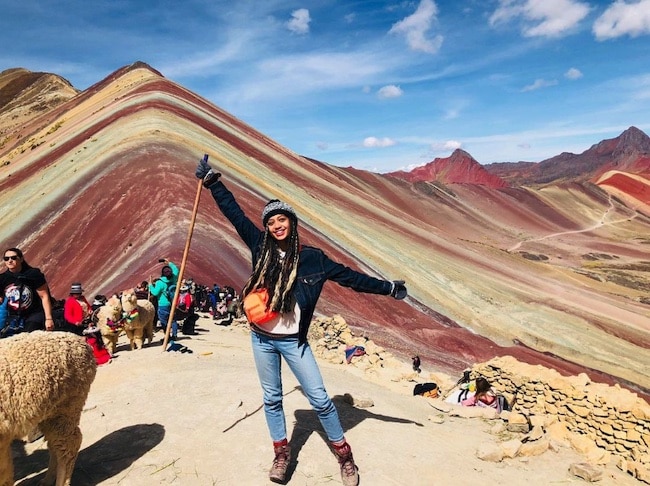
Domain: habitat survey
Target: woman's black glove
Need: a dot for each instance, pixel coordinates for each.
(205, 172)
(398, 290)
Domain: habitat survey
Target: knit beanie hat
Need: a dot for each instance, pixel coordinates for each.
(274, 207)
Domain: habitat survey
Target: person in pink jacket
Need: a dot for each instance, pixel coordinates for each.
(486, 396)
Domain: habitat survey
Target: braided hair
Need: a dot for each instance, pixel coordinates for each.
(277, 272)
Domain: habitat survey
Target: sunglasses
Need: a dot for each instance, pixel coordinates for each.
(11, 257)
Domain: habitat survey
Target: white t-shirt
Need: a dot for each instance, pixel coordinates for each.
(284, 324)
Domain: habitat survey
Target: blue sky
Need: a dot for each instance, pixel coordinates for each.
(377, 85)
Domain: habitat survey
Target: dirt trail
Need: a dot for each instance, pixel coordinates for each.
(600, 223)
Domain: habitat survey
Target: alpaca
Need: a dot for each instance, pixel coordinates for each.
(109, 321)
(45, 378)
(138, 315)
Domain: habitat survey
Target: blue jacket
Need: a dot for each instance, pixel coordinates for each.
(314, 267)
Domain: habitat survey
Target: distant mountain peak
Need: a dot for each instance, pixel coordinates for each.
(632, 140)
(19, 85)
(634, 132)
(139, 65)
(459, 168)
(25, 94)
(461, 153)
(630, 152)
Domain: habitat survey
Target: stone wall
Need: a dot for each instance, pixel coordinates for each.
(614, 419)
(600, 421)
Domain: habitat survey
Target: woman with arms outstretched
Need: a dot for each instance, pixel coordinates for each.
(293, 276)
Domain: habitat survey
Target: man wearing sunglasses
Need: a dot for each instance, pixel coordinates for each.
(28, 297)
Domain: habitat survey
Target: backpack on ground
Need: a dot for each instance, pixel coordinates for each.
(429, 389)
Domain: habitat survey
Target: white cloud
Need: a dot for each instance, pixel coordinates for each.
(447, 146)
(622, 18)
(415, 27)
(304, 73)
(390, 91)
(299, 23)
(452, 145)
(542, 18)
(538, 84)
(573, 73)
(374, 142)
(410, 167)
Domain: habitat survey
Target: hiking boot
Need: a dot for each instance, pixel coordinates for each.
(278, 471)
(349, 470)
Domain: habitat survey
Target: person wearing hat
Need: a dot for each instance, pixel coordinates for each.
(76, 308)
(185, 302)
(293, 276)
(185, 309)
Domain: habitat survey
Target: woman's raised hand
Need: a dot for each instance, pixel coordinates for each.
(205, 172)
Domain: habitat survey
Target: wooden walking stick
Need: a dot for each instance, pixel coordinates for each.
(184, 261)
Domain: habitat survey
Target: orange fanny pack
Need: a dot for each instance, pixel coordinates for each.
(256, 307)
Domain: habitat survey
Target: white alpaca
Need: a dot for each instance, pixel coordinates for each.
(45, 378)
(138, 316)
(109, 321)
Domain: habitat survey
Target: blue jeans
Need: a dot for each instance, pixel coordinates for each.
(268, 354)
(163, 317)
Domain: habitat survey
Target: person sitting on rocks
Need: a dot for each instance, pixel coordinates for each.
(485, 396)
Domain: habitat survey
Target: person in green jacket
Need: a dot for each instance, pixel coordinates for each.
(160, 290)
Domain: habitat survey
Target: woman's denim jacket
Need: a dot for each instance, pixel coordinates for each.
(314, 267)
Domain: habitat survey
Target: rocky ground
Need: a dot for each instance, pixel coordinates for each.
(195, 418)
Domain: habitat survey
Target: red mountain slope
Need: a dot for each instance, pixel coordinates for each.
(459, 168)
(99, 187)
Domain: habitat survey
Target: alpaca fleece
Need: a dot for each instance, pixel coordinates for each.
(45, 378)
(110, 312)
(139, 328)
